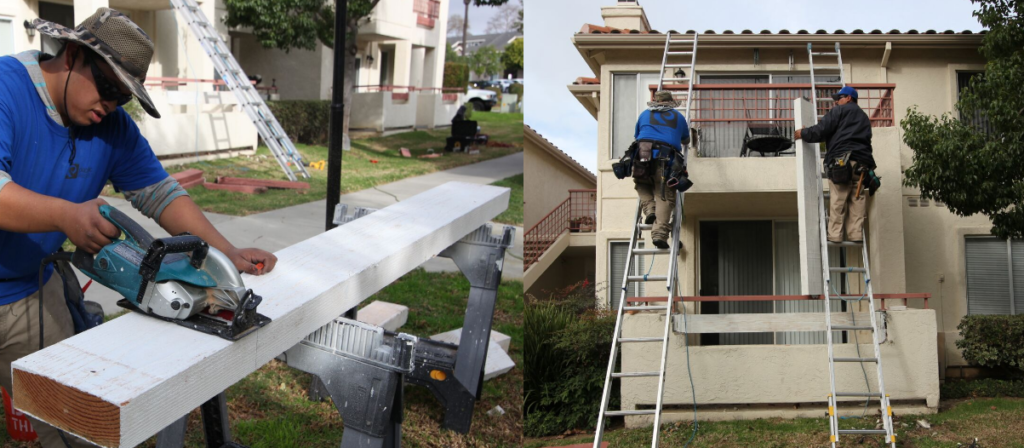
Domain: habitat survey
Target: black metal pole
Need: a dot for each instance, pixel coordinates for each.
(334, 148)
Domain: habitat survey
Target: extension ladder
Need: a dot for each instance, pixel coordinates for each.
(273, 135)
(865, 272)
(670, 278)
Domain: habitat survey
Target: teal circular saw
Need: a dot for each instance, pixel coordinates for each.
(179, 279)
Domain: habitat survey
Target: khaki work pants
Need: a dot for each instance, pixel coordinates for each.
(651, 201)
(19, 337)
(847, 210)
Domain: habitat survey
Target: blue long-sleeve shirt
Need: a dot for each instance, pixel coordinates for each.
(668, 127)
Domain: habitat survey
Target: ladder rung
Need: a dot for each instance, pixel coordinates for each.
(825, 53)
(852, 328)
(677, 53)
(863, 431)
(847, 269)
(645, 308)
(676, 79)
(621, 413)
(634, 374)
(826, 99)
(677, 65)
(690, 41)
(646, 226)
(854, 359)
(828, 84)
(650, 278)
(828, 67)
(859, 394)
(650, 251)
(845, 243)
(625, 340)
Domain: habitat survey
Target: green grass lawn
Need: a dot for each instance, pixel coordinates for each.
(371, 162)
(514, 214)
(996, 422)
(269, 408)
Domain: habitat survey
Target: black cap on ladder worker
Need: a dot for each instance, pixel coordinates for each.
(849, 165)
(63, 136)
(658, 164)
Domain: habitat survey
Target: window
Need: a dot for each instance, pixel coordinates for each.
(617, 265)
(630, 94)
(963, 79)
(995, 275)
(6, 36)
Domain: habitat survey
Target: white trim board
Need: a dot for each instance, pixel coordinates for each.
(124, 381)
(807, 188)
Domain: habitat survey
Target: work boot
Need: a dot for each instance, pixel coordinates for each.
(662, 243)
(650, 218)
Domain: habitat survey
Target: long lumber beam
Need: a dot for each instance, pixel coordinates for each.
(122, 382)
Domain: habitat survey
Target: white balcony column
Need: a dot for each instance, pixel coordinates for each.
(86, 8)
(403, 63)
(433, 67)
(416, 62)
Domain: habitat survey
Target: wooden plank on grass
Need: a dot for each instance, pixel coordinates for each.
(269, 183)
(122, 382)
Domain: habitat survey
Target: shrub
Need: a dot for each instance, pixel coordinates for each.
(496, 90)
(305, 121)
(456, 74)
(516, 89)
(567, 343)
(996, 342)
(988, 387)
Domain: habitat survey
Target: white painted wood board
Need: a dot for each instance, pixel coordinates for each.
(807, 187)
(122, 382)
(389, 316)
(497, 363)
(764, 322)
(454, 336)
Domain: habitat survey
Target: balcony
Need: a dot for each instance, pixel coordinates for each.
(728, 117)
(577, 214)
(385, 108)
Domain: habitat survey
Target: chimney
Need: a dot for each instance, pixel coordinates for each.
(626, 14)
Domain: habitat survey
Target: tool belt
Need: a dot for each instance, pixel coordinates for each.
(624, 166)
(678, 177)
(838, 170)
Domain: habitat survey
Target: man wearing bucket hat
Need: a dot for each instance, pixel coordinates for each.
(846, 131)
(63, 136)
(661, 130)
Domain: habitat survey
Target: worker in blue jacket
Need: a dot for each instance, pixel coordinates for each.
(661, 130)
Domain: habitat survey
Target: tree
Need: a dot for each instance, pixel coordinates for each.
(513, 55)
(287, 24)
(970, 168)
(466, 22)
(455, 23)
(486, 62)
(505, 19)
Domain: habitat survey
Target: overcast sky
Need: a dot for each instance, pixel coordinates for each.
(478, 15)
(552, 62)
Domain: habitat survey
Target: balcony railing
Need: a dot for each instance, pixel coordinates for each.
(727, 115)
(427, 12)
(578, 213)
(401, 93)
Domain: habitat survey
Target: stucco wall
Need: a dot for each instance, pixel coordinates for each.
(784, 374)
(432, 111)
(298, 72)
(18, 11)
(379, 113)
(547, 183)
(219, 127)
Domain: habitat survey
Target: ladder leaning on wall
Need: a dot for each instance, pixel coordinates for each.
(671, 278)
(235, 79)
(832, 294)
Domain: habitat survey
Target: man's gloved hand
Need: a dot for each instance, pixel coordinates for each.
(86, 227)
(253, 261)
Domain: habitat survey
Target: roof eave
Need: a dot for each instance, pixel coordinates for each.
(531, 135)
(589, 97)
(586, 42)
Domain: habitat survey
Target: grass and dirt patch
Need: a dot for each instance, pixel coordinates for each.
(269, 408)
(995, 422)
(514, 213)
(371, 162)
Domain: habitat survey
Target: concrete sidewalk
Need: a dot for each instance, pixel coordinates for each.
(278, 229)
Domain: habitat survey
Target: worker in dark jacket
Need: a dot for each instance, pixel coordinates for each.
(846, 131)
(661, 130)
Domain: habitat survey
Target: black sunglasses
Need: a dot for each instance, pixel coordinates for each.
(837, 97)
(107, 89)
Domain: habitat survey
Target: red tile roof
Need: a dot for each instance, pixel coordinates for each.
(584, 81)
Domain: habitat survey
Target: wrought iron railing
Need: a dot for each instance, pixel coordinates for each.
(727, 115)
(577, 213)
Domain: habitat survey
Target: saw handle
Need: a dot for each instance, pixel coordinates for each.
(158, 249)
(132, 230)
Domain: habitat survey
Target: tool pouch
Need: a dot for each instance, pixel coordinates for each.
(839, 170)
(84, 314)
(624, 167)
(873, 182)
(643, 166)
(678, 176)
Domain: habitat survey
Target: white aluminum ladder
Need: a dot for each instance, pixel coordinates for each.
(250, 101)
(881, 396)
(671, 278)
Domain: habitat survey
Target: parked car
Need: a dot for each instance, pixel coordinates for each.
(482, 84)
(482, 99)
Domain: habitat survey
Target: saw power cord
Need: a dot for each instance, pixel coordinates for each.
(59, 256)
